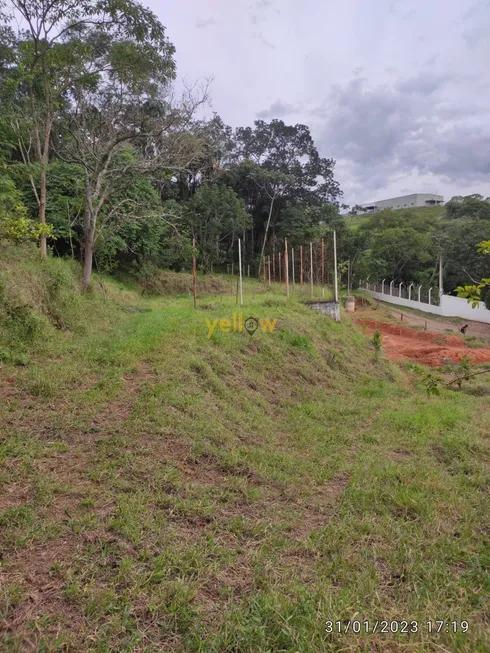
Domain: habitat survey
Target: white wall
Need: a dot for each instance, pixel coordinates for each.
(459, 307)
(450, 306)
(401, 301)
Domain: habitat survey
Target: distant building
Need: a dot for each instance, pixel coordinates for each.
(404, 202)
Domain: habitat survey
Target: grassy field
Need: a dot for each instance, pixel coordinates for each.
(166, 491)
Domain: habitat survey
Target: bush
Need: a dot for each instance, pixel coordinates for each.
(14, 223)
(37, 295)
(64, 304)
(159, 282)
(23, 327)
(297, 340)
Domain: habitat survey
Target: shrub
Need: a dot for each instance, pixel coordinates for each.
(377, 342)
(23, 326)
(160, 282)
(14, 223)
(64, 304)
(297, 340)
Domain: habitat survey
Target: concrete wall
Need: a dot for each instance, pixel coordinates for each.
(459, 307)
(410, 303)
(450, 306)
(332, 309)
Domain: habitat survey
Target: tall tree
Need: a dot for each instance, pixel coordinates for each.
(469, 207)
(46, 57)
(480, 290)
(289, 150)
(122, 116)
(277, 165)
(215, 217)
(112, 133)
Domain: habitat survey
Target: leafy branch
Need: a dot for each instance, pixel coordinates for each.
(434, 386)
(473, 292)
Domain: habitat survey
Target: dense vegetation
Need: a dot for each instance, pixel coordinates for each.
(100, 160)
(97, 147)
(406, 245)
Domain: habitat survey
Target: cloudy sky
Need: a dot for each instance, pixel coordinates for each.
(397, 91)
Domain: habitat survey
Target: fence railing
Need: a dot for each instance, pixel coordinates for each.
(411, 292)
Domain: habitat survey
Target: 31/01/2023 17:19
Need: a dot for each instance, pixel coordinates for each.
(403, 626)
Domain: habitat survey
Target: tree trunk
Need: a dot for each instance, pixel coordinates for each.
(88, 254)
(42, 210)
(261, 262)
(88, 244)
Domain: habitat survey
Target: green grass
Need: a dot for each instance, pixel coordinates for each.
(166, 491)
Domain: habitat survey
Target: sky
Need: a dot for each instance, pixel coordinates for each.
(396, 91)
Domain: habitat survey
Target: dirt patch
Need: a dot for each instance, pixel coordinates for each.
(399, 455)
(424, 347)
(430, 322)
(13, 496)
(43, 593)
(320, 507)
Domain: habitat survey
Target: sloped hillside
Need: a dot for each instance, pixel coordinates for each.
(163, 490)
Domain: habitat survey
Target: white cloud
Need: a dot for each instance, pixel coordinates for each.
(394, 90)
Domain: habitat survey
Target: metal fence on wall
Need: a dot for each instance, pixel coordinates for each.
(410, 292)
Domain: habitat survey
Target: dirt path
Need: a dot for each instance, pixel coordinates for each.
(425, 347)
(439, 324)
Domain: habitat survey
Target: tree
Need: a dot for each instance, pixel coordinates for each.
(122, 117)
(274, 165)
(216, 139)
(215, 216)
(479, 291)
(397, 253)
(357, 208)
(302, 222)
(50, 55)
(469, 206)
(463, 262)
(398, 245)
(14, 223)
(289, 150)
(274, 185)
(65, 183)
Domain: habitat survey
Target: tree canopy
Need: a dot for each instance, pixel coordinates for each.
(98, 146)
(103, 161)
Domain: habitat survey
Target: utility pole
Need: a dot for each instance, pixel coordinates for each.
(311, 268)
(194, 272)
(286, 265)
(441, 280)
(292, 262)
(323, 267)
(301, 266)
(241, 270)
(335, 267)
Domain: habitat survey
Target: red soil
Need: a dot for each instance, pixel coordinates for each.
(424, 347)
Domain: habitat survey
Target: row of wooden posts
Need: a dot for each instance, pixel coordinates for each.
(269, 272)
(269, 266)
